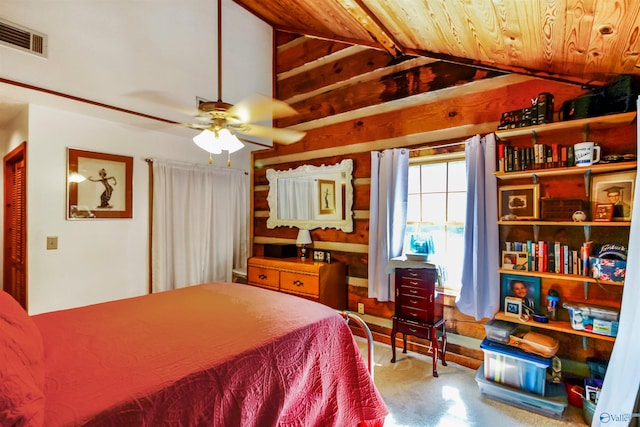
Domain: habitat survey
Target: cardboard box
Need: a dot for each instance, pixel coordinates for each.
(609, 270)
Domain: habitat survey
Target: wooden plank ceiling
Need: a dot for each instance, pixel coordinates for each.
(585, 41)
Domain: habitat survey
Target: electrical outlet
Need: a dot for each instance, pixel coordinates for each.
(360, 308)
(52, 242)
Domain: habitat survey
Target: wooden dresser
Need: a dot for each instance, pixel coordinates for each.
(418, 310)
(318, 281)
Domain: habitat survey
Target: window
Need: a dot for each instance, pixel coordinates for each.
(436, 209)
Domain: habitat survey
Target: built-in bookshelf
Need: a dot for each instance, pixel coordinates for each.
(567, 239)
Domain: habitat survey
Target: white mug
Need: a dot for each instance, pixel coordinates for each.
(586, 153)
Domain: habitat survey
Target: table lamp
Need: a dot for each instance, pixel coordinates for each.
(304, 238)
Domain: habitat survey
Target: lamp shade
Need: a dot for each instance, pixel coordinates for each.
(304, 237)
(216, 141)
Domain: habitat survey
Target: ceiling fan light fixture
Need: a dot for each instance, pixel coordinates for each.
(214, 142)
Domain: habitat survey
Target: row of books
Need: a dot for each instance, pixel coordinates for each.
(550, 257)
(540, 156)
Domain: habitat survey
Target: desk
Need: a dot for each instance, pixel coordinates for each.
(418, 308)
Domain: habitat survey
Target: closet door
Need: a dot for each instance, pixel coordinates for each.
(15, 225)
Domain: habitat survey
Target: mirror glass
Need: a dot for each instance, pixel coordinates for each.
(311, 197)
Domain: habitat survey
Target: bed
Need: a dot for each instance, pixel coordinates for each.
(217, 354)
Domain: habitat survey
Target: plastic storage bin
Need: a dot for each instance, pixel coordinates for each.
(499, 330)
(552, 404)
(514, 367)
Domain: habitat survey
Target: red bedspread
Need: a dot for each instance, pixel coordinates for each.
(218, 354)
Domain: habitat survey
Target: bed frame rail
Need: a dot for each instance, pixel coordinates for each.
(367, 333)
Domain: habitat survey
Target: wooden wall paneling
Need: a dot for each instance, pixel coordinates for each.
(349, 107)
(361, 61)
(426, 78)
(303, 50)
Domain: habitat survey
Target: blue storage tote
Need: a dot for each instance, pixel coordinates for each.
(514, 367)
(552, 404)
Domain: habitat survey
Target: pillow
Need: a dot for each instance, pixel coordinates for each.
(21, 366)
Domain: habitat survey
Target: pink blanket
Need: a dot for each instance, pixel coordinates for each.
(218, 354)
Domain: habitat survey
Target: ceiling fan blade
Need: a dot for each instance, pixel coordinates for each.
(259, 107)
(283, 136)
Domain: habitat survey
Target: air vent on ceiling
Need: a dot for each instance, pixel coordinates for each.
(22, 38)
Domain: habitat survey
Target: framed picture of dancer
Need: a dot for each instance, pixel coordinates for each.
(99, 185)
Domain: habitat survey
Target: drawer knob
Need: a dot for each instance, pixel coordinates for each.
(413, 330)
(413, 291)
(413, 283)
(413, 314)
(298, 283)
(262, 276)
(413, 274)
(413, 301)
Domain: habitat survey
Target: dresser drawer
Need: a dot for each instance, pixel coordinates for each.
(412, 329)
(425, 274)
(300, 283)
(412, 291)
(419, 314)
(264, 277)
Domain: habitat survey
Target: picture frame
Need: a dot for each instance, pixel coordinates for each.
(99, 185)
(515, 260)
(513, 307)
(603, 212)
(318, 255)
(513, 284)
(322, 256)
(327, 196)
(615, 188)
(523, 201)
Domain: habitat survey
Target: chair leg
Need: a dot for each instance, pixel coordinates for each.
(444, 343)
(434, 350)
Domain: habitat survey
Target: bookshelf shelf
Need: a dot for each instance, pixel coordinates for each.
(573, 170)
(600, 122)
(558, 325)
(567, 223)
(558, 276)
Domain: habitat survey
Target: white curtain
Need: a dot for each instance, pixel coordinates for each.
(294, 198)
(622, 381)
(387, 217)
(480, 293)
(200, 223)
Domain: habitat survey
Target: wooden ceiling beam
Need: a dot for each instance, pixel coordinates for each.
(359, 11)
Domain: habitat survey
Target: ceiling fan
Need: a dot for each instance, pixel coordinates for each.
(222, 123)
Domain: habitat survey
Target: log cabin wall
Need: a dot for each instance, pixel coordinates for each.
(353, 100)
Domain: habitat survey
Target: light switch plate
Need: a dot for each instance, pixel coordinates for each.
(52, 242)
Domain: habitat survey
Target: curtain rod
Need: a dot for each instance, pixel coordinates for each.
(452, 144)
(150, 160)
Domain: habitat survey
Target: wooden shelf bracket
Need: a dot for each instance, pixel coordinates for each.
(587, 182)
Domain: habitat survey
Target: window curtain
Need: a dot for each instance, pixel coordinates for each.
(387, 217)
(293, 198)
(480, 292)
(622, 380)
(200, 223)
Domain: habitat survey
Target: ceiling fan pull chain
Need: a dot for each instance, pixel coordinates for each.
(210, 158)
(228, 158)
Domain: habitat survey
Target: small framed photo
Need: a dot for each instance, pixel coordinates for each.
(513, 307)
(603, 212)
(616, 189)
(526, 288)
(515, 260)
(327, 195)
(99, 185)
(523, 201)
(318, 255)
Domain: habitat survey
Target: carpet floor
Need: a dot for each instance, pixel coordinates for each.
(415, 398)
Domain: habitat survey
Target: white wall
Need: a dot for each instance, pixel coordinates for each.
(117, 53)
